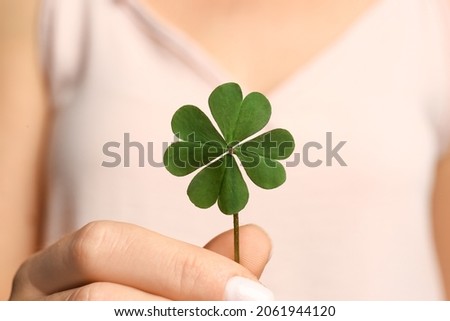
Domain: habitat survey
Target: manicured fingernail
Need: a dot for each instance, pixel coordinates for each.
(243, 289)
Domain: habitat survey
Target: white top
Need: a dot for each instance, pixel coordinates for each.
(361, 231)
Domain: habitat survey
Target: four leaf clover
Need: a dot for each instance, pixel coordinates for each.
(201, 145)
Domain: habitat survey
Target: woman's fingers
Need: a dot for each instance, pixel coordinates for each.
(255, 247)
(135, 257)
(103, 291)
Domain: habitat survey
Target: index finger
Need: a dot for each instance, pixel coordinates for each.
(133, 256)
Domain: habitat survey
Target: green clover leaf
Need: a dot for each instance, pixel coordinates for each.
(201, 145)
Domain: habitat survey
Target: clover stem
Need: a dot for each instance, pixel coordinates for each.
(236, 237)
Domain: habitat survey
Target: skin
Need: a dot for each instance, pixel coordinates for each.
(441, 218)
(290, 33)
(23, 123)
(70, 268)
(110, 260)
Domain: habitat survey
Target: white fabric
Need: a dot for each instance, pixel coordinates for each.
(357, 232)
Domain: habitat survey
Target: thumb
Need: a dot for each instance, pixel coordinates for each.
(255, 247)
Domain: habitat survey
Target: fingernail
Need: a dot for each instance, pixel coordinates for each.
(242, 289)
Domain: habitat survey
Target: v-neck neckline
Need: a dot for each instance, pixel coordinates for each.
(189, 50)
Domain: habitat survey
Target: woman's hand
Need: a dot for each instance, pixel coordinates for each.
(119, 261)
